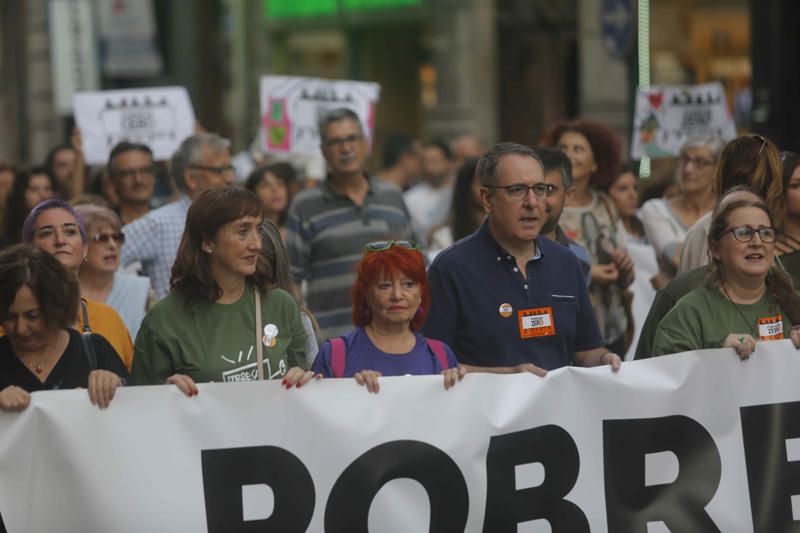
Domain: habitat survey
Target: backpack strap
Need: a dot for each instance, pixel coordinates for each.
(338, 353)
(437, 347)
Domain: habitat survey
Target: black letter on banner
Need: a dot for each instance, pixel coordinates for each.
(347, 510)
(680, 504)
(506, 506)
(772, 479)
(225, 471)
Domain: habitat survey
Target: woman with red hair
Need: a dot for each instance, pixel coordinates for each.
(390, 302)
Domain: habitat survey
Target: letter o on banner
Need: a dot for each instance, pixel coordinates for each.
(347, 510)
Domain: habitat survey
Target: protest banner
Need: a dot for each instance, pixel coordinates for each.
(159, 117)
(699, 441)
(291, 108)
(666, 116)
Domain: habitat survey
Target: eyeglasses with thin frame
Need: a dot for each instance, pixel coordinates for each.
(518, 191)
(767, 234)
(382, 246)
(214, 170)
(336, 142)
(697, 162)
(129, 173)
(119, 238)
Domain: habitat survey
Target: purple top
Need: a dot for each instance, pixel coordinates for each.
(362, 354)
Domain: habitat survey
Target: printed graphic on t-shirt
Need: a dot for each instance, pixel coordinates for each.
(246, 367)
(770, 328)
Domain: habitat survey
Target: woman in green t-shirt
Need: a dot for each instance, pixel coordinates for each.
(209, 328)
(746, 300)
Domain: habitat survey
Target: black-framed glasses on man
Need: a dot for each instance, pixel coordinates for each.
(519, 191)
(336, 142)
(129, 173)
(214, 170)
(746, 233)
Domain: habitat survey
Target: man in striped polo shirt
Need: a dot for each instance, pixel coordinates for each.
(328, 226)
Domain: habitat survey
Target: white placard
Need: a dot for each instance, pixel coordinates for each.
(291, 108)
(128, 30)
(73, 58)
(158, 117)
(668, 115)
(701, 441)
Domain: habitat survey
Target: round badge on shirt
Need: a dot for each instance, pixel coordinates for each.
(270, 338)
(505, 310)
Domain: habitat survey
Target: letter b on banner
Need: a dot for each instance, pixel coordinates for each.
(630, 504)
(225, 471)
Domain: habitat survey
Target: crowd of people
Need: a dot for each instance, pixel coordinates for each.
(454, 258)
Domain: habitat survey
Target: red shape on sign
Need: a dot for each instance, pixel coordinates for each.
(655, 99)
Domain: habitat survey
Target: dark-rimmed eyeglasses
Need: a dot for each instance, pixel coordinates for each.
(119, 238)
(214, 170)
(519, 191)
(382, 246)
(746, 233)
(336, 142)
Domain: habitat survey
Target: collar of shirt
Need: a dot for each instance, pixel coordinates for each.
(330, 193)
(485, 235)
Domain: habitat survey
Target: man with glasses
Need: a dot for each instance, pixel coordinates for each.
(504, 299)
(202, 162)
(328, 226)
(133, 176)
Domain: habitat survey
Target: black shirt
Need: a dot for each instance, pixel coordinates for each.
(71, 370)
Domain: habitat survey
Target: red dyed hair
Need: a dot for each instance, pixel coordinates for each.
(377, 266)
(606, 148)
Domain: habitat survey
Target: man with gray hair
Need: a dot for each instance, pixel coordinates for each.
(201, 162)
(329, 225)
(504, 299)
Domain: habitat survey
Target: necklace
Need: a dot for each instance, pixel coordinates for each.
(39, 367)
(738, 310)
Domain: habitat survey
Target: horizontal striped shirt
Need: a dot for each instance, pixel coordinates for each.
(325, 238)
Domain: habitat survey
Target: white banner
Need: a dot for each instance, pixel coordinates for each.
(667, 116)
(159, 117)
(291, 108)
(696, 442)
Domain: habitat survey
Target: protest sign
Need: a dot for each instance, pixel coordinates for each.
(159, 117)
(291, 108)
(699, 441)
(667, 116)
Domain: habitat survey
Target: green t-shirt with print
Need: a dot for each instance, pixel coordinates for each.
(704, 317)
(216, 342)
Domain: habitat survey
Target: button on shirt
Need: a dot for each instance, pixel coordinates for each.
(472, 279)
(153, 240)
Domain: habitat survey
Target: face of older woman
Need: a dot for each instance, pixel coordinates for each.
(394, 300)
(56, 232)
(235, 249)
(745, 259)
(697, 170)
(24, 322)
(104, 248)
(577, 148)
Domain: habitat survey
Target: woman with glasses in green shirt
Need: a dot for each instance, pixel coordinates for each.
(746, 300)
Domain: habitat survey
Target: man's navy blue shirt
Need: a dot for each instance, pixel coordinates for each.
(472, 279)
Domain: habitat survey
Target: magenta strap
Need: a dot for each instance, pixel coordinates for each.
(437, 347)
(337, 356)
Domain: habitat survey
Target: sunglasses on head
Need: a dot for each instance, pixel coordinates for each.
(382, 246)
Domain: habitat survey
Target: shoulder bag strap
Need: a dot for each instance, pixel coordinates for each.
(86, 338)
(259, 345)
(437, 347)
(338, 351)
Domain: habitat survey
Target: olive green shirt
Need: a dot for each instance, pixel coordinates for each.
(216, 342)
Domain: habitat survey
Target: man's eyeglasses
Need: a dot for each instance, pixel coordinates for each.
(746, 234)
(129, 173)
(382, 246)
(697, 162)
(519, 191)
(336, 142)
(119, 238)
(214, 170)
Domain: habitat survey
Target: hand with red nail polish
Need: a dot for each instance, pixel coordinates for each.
(297, 376)
(184, 383)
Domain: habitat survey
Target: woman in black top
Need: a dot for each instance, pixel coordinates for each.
(41, 351)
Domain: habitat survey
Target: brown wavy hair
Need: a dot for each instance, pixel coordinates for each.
(606, 147)
(752, 160)
(191, 273)
(778, 282)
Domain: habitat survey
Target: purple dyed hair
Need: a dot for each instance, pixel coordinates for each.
(41, 207)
